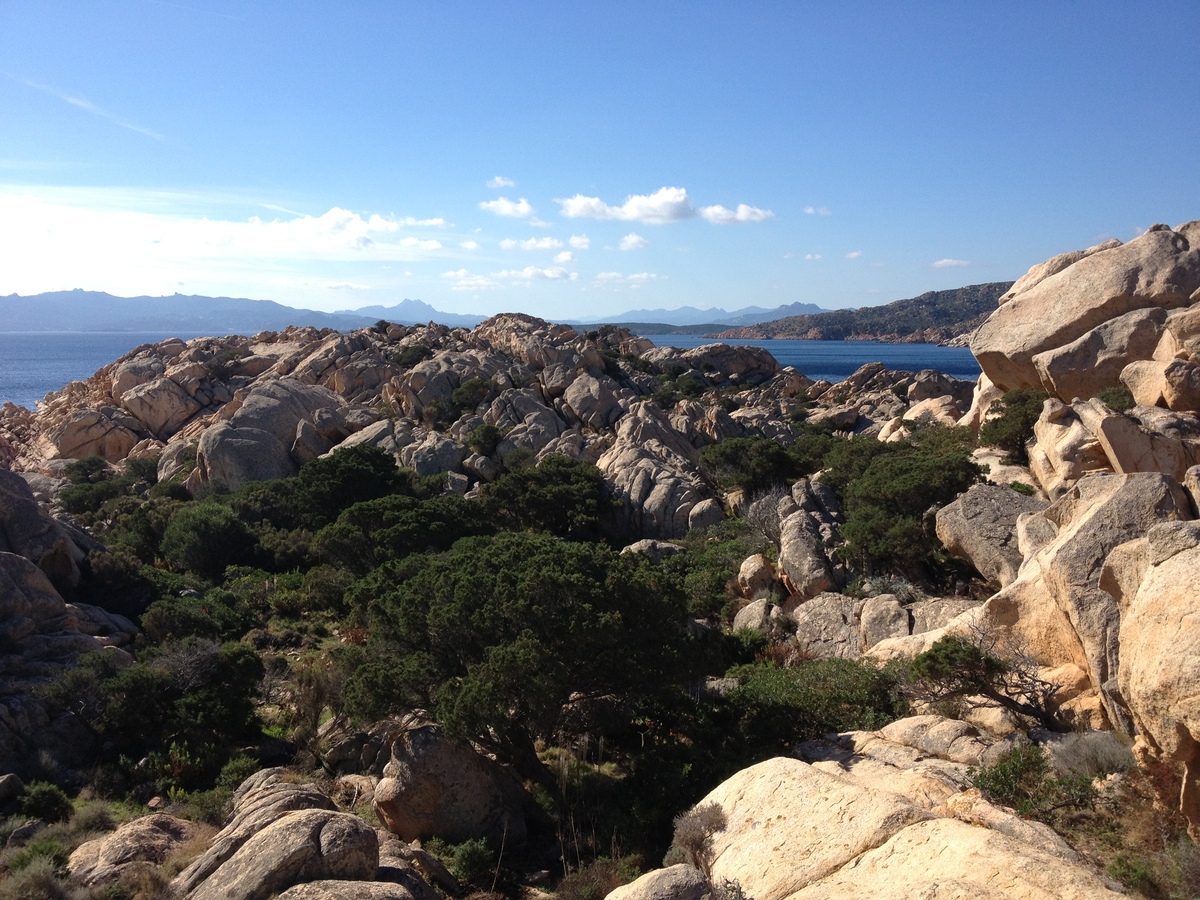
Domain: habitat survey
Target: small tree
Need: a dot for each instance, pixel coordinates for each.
(1010, 430)
(969, 672)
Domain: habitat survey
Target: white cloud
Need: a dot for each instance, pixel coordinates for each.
(469, 245)
(950, 263)
(565, 257)
(667, 204)
(632, 281)
(580, 241)
(410, 222)
(633, 241)
(533, 273)
(817, 210)
(720, 215)
(812, 255)
(412, 243)
(345, 286)
(789, 256)
(131, 242)
(468, 281)
(545, 243)
(501, 182)
(854, 254)
(512, 209)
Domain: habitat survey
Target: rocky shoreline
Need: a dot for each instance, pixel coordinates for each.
(1081, 559)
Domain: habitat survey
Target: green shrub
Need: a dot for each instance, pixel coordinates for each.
(1118, 398)
(597, 880)
(485, 439)
(471, 862)
(1022, 778)
(40, 847)
(45, 801)
(38, 879)
(1011, 428)
(777, 707)
(409, 356)
(205, 538)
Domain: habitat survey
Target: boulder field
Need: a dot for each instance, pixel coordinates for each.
(1088, 563)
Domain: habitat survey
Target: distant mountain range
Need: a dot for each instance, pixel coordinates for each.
(80, 310)
(934, 317)
(690, 315)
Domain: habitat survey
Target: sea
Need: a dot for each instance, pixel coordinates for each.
(33, 364)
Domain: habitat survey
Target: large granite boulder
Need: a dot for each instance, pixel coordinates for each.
(1044, 314)
(435, 787)
(1160, 660)
(146, 840)
(302, 846)
(981, 527)
(27, 530)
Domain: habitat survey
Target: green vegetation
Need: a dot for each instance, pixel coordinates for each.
(1011, 425)
(935, 315)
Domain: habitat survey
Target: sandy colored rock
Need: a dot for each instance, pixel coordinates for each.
(827, 626)
(789, 824)
(148, 839)
(1064, 449)
(756, 577)
(302, 846)
(946, 859)
(803, 563)
(881, 618)
(1158, 269)
(1160, 664)
(1095, 360)
(680, 882)
(347, 890)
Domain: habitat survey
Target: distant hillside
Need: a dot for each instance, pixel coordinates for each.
(96, 311)
(692, 317)
(934, 317)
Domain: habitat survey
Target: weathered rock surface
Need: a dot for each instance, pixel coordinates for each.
(981, 527)
(1158, 270)
(432, 786)
(679, 882)
(1160, 660)
(148, 839)
(302, 846)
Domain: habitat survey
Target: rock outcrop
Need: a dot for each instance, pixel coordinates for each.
(433, 786)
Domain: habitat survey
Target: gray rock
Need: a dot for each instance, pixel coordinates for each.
(827, 626)
(433, 786)
(981, 527)
(302, 846)
(882, 617)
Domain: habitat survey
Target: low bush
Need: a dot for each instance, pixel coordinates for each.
(45, 801)
(1011, 425)
(1023, 779)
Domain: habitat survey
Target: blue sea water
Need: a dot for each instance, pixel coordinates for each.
(34, 363)
(834, 360)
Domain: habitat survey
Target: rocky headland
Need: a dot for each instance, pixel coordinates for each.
(1073, 579)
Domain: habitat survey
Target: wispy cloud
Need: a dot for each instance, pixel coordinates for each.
(812, 256)
(667, 204)
(617, 279)
(565, 257)
(950, 263)
(410, 222)
(580, 241)
(817, 210)
(854, 254)
(545, 243)
(462, 280)
(90, 107)
(633, 241)
(533, 273)
(512, 209)
(501, 182)
(345, 286)
(469, 245)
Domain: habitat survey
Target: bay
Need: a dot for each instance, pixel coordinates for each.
(834, 360)
(34, 363)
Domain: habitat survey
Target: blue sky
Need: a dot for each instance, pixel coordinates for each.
(572, 159)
